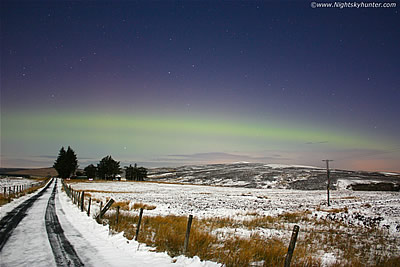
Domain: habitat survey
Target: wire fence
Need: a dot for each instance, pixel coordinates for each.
(393, 242)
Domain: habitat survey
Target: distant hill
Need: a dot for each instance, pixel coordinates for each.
(40, 172)
(276, 176)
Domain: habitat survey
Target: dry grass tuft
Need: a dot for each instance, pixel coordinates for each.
(123, 205)
(336, 210)
(140, 205)
(352, 245)
(166, 233)
(4, 199)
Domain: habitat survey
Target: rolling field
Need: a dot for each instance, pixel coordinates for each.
(358, 228)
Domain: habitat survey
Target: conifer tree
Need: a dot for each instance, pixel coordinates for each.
(90, 171)
(108, 168)
(66, 163)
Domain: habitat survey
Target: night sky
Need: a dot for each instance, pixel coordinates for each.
(166, 83)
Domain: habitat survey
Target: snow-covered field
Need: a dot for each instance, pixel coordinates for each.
(29, 246)
(358, 212)
(210, 201)
(354, 213)
(15, 181)
(351, 210)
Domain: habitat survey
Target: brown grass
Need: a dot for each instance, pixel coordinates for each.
(166, 233)
(351, 245)
(4, 199)
(107, 191)
(138, 206)
(126, 205)
(123, 205)
(336, 210)
(36, 173)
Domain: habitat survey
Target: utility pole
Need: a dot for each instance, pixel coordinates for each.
(329, 180)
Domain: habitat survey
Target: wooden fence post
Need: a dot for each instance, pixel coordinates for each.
(83, 201)
(106, 207)
(292, 244)
(187, 236)
(88, 210)
(116, 219)
(138, 224)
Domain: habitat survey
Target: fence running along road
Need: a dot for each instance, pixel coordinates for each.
(14, 217)
(64, 252)
(61, 249)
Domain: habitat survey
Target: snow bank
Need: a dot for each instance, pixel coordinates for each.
(116, 250)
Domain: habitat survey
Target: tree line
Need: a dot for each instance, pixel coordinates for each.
(66, 166)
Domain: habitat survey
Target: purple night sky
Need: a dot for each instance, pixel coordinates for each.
(181, 82)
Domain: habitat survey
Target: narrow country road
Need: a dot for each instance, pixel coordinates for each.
(31, 234)
(14, 217)
(64, 252)
(48, 230)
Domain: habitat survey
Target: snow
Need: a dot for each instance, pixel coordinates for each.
(97, 247)
(344, 184)
(390, 173)
(29, 246)
(14, 203)
(215, 201)
(328, 259)
(116, 250)
(161, 175)
(259, 175)
(11, 181)
(283, 166)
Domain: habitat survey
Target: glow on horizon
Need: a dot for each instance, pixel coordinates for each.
(48, 125)
(160, 135)
(152, 137)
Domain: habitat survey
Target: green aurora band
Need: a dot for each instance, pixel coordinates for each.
(158, 135)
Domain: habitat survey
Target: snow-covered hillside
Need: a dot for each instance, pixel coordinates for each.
(257, 175)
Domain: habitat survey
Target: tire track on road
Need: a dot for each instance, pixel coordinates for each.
(14, 217)
(64, 252)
